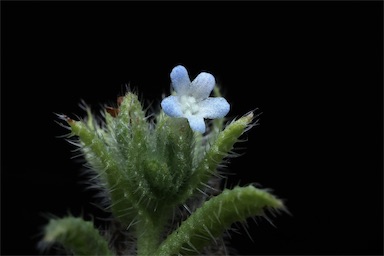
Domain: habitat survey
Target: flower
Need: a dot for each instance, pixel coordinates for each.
(192, 99)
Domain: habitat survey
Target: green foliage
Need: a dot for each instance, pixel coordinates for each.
(214, 216)
(151, 167)
(77, 235)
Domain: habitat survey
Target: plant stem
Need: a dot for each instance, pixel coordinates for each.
(149, 229)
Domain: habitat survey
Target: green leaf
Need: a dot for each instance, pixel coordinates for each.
(76, 235)
(215, 216)
(219, 149)
(103, 160)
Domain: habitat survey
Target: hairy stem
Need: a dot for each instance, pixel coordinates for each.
(149, 229)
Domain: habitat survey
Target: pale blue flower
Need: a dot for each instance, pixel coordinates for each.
(192, 99)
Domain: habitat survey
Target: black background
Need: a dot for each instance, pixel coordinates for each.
(314, 70)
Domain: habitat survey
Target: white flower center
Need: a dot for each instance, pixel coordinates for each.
(188, 105)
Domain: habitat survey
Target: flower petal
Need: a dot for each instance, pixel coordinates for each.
(202, 86)
(196, 123)
(180, 79)
(216, 107)
(171, 106)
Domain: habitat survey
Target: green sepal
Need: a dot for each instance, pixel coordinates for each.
(131, 127)
(173, 152)
(76, 235)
